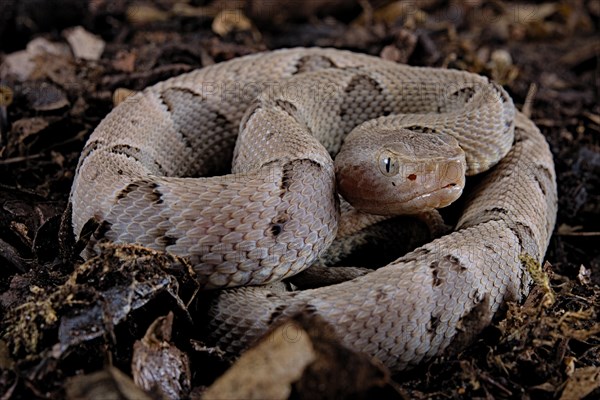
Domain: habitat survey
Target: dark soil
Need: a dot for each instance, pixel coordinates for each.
(546, 55)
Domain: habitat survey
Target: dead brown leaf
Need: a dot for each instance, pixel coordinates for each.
(581, 383)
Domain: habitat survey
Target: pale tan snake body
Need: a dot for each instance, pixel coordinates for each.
(278, 211)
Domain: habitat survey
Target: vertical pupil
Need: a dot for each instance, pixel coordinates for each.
(388, 163)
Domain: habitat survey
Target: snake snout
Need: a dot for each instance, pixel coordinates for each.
(408, 174)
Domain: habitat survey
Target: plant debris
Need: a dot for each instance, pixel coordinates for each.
(127, 323)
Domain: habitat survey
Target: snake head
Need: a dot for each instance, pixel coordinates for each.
(400, 172)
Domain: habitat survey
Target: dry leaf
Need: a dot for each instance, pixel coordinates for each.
(108, 384)
(84, 44)
(22, 63)
(581, 383)
(121, 94)
(157, 365)
(139, 14)
(230, 20)
(267, 370)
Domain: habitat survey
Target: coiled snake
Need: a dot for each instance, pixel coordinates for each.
(141, 173)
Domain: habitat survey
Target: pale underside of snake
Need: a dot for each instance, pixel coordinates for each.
(145, 174)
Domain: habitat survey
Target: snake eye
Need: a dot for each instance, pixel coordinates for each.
(388, 165)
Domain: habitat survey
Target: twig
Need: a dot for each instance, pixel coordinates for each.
(15, 160)
(531, 92)
(579, 233)
(6, 98)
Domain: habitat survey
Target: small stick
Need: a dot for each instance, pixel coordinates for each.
(531, 92)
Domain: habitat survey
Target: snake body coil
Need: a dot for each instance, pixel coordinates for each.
(139, 174)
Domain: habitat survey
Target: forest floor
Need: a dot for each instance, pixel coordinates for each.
(57, 83)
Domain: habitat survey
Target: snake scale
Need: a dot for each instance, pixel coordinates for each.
(147, 173)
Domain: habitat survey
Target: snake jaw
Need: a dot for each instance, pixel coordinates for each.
(438, 198)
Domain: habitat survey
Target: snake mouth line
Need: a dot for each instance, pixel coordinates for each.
(418, 203)
(449, 188)
(450, 193)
